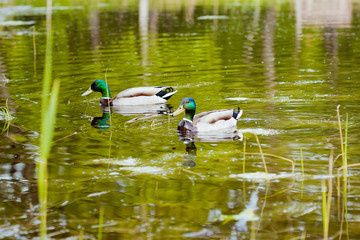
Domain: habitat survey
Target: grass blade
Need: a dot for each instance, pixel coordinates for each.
(261, 153)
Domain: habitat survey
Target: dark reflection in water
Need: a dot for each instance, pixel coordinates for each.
(18, 186)
(190, 155)
(101, 122)
(214, 136)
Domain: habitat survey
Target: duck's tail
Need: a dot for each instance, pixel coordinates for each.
(237, 113)
(166, 93)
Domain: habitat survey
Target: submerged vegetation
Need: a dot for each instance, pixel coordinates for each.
(6, 116)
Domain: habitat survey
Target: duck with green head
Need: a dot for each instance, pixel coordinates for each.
(131, 96)
(206, 121)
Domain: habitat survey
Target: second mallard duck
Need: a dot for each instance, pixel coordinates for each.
(131, 96)
(205, 121)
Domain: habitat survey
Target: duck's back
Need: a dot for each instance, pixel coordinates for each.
(138, 91)
(140, 96)
(215, 120)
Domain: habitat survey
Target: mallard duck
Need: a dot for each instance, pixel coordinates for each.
(205, 121)
(131, 96)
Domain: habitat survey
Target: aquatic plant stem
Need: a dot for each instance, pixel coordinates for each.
(101, 223)
(262, 155)
(244, 166)
(276, 156)
(344, 168)
(48, 58)
(341, 144)
(48, 116)
(263, 205)
(324, 210)
(253, 230)
(34, 49)
(47, 130)
(330, 187)
(244, 154)
(345, 177)
(7, 117)
(302, 162)
(302, 172)
(345, 164)
(342, 141)
(108, 93)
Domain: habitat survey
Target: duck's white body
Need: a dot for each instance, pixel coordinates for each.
(215, 120)
(131, 96)
(143, 96)
(211, 121)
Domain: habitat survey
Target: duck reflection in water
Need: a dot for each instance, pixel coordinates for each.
(190, 155)
(101, 122)
(150, 111)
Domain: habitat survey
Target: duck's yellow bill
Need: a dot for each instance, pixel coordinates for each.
(87, 92)
(178, 111)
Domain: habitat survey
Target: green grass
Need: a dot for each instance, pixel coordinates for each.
(48, 117)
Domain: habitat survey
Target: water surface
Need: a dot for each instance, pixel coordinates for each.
(287, 64)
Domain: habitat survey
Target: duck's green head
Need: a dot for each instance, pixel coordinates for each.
(99, 86)
(188, 105)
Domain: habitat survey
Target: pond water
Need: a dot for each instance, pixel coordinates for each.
(287, 64)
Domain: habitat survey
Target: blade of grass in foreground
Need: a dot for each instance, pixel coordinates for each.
(47, 130)
(48, 117)
(48, 59)
(101, 222)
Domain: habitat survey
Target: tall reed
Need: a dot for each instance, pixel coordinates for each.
(34, 49)
(342, 142)
(244, 155)
(302, 162)
(324, 210)
(344, 168)
(48, 117)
